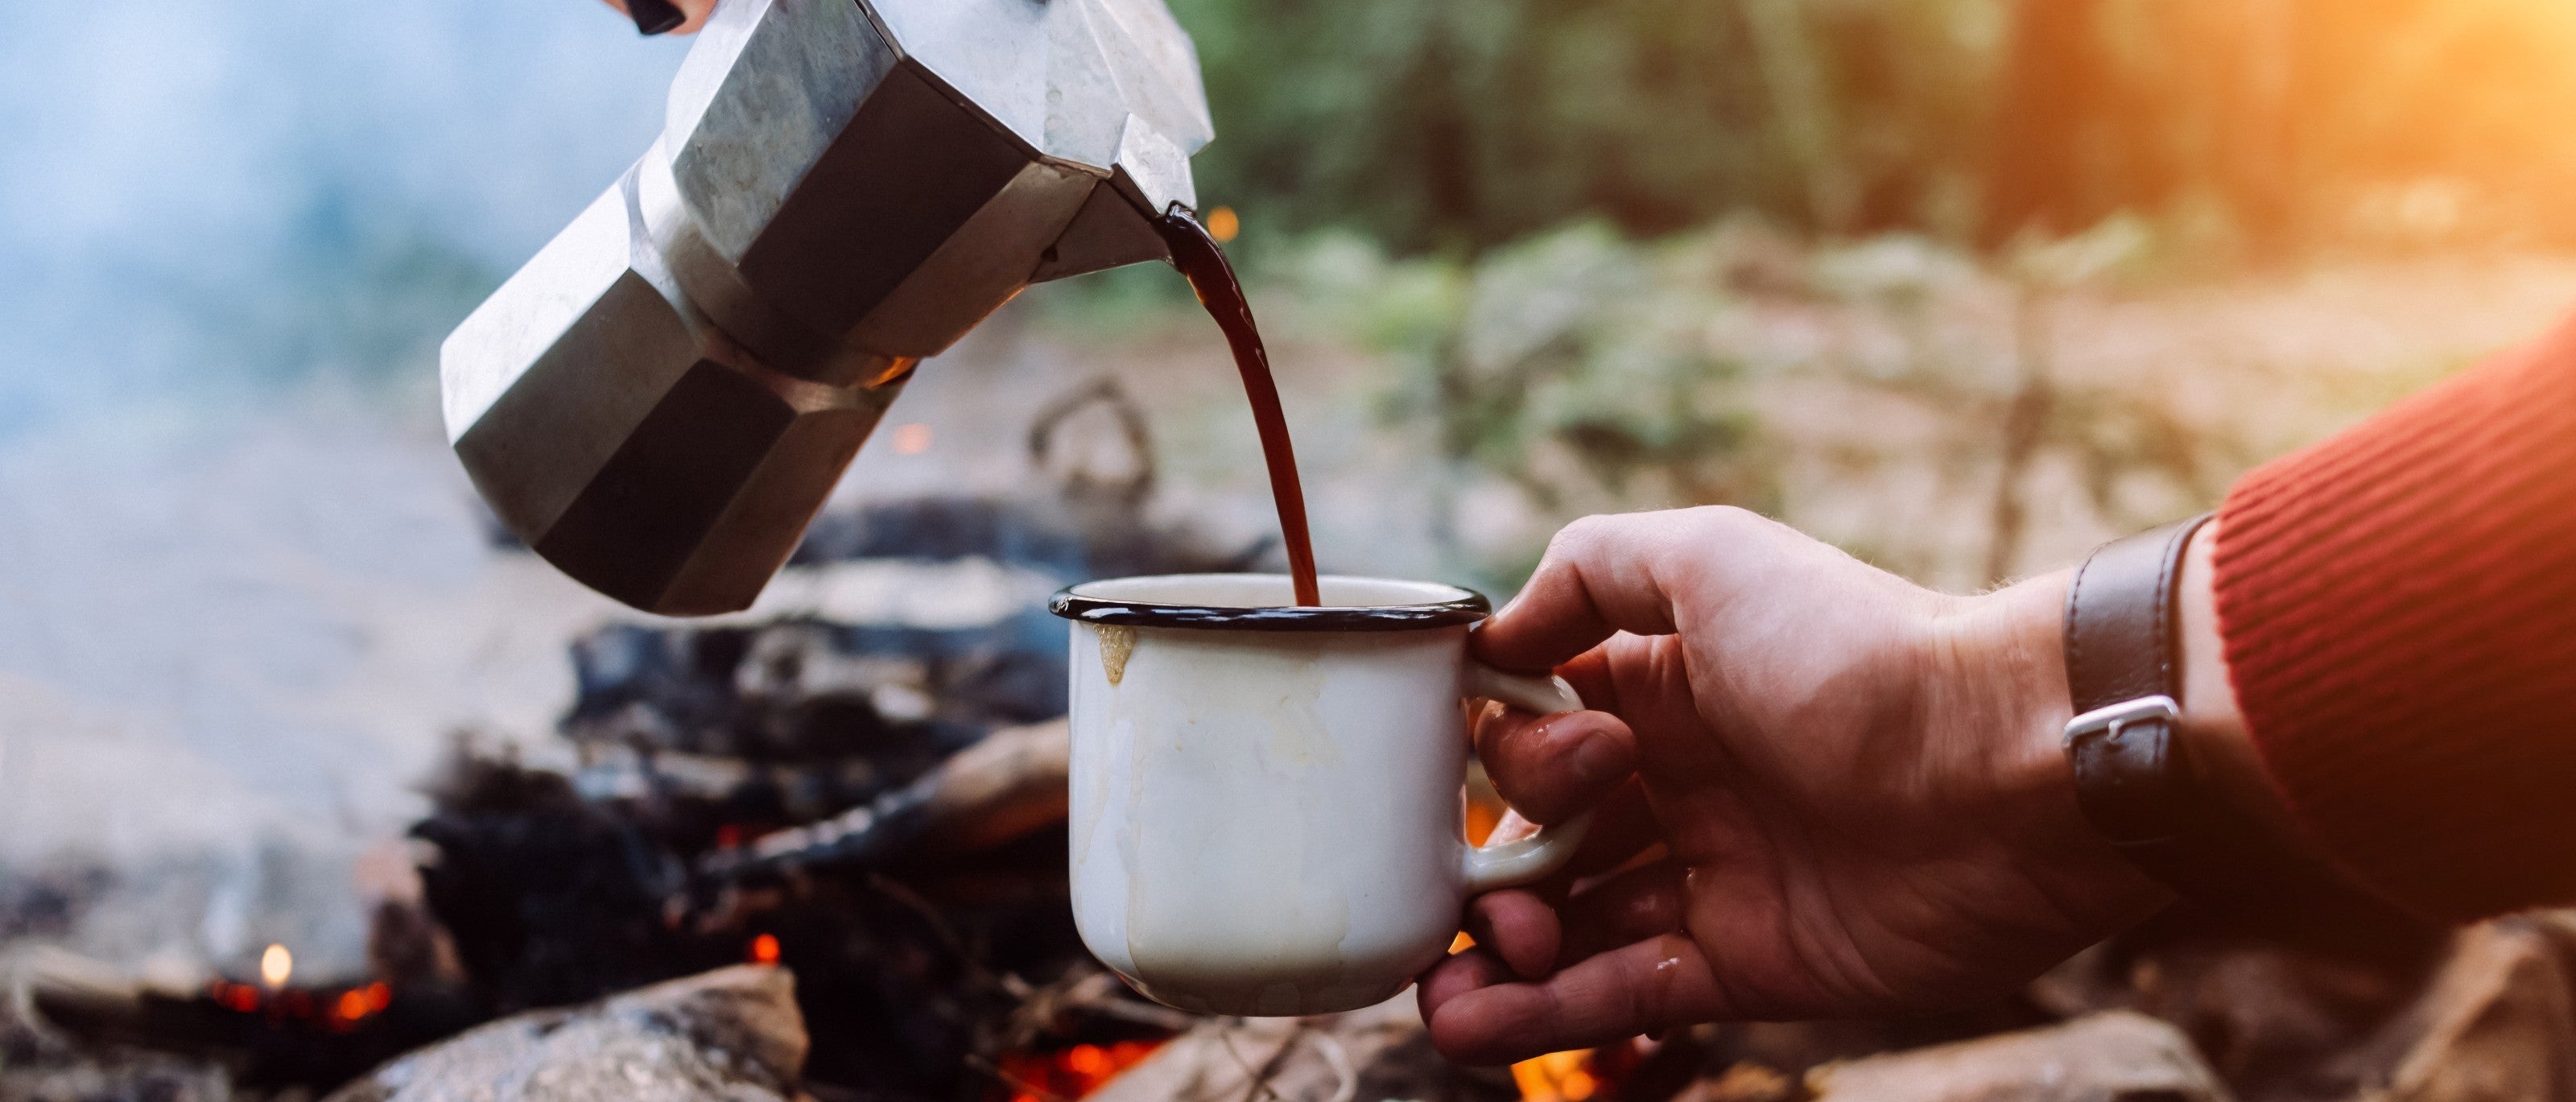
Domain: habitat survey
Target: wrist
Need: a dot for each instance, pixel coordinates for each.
(2214, 735)
(1999, 675)
(2164, 766)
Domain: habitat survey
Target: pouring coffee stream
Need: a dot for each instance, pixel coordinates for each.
(1196, 254)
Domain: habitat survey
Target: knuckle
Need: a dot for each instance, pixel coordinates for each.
(1584, 532)
(1726, 519)
(1593, 536)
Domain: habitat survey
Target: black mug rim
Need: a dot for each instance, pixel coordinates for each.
(1124, 612)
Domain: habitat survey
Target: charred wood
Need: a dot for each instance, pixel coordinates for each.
(1001, 789)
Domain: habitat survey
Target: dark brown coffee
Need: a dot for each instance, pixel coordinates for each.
(1196, 254)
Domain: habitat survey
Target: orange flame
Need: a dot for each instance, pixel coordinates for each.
(764, 949)
(1557, 1077)
(357, 1003)
(276, 966)
(341, 1012)
(1073, 1072)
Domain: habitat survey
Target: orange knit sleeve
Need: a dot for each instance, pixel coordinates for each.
(2399, 610)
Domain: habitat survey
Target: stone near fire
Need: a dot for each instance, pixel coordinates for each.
(2499, 1021)
(2104, 1058)
(732, 1035)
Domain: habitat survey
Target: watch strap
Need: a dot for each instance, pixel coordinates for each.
(2134, 777)
(2121, 650)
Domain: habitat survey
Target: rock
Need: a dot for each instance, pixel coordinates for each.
(732, 1035)
(115, 1077)
(2293, 1020)
(2499, 1023)
(2116, 1056)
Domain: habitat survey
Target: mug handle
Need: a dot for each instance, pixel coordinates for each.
(1512, 864)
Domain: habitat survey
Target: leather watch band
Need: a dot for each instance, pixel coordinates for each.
(2134, 777)
(2120, 648)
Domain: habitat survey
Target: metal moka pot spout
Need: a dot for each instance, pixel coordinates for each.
(662, 398)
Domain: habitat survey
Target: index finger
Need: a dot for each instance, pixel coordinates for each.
(1601, 575)
(1479, 1015)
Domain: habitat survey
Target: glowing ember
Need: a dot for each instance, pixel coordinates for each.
(240, 998)
(276, 966)
(341, 1012)
(358, 1002)
(1073, 1072)
(764, 949)
(1557, 1077)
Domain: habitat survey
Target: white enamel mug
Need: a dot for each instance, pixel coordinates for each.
(1266, 800)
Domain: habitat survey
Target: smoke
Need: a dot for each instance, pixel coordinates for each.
(206, 198)
(237, 609)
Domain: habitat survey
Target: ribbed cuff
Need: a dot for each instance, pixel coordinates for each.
(2399, 609)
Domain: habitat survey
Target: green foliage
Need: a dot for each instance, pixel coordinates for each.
(1574, 367)
(1459, 125)
(1582, 343)
(1579, 371)
(1463, 124)
(1120, 302)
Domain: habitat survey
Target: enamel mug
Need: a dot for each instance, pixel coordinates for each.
(1266, 811)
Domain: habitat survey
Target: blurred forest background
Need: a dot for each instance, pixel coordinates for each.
(1963, 286)
(1918, 275)
(2262, 127)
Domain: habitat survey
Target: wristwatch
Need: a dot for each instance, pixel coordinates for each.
(2134, 774)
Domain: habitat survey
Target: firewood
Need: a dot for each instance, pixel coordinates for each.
(1002, 788)
(61, 988)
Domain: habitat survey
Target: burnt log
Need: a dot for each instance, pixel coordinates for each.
(999, 790)
(100, 1024)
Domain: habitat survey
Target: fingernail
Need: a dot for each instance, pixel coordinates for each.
(1598, 760)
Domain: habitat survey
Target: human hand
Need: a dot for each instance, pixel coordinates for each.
(1856, 786)
(695, 9)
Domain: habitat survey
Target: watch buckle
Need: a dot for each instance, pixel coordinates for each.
(2113, 717)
